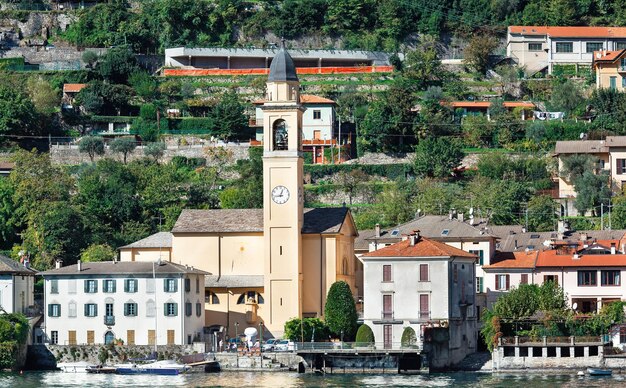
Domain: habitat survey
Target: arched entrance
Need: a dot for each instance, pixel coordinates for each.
(109, 337)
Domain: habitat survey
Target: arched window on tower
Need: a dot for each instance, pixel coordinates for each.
(279, 133)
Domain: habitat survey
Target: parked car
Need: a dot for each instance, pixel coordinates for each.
(285, 346)
(269, 345)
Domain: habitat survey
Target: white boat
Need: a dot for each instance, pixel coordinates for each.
(164, 367)
(75, 367)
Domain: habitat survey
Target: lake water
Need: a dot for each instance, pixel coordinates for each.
(284, 379)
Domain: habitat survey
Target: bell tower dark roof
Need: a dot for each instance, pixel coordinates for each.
(282, 67)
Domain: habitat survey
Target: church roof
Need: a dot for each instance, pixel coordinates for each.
(282, 67)
(157, 240)
(233, 281)
(322, 220)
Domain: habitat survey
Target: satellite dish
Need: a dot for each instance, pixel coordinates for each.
(574, 306)
(583, 136)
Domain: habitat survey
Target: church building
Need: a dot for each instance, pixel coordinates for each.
(269, 265)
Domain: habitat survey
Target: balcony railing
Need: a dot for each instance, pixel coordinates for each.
(387, 315)
(424, 314)
(355, 346)
(621, 69)
(109, 320)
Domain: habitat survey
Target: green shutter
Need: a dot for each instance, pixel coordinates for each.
(125, 309)
(114, 284)
(86, 310)
(175, 309)
(175, 286)
(126, 285)
(86, 286)
(49, 310)
(165, 309)
(165, 285)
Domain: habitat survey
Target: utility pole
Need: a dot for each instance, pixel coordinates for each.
(601, 216)
(339, 140)
(526, 218)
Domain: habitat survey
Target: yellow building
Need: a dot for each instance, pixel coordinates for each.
(272, 264)
(610, 67)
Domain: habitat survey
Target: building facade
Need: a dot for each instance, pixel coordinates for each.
(141, 303)
(17, 282)
(421, 283)
(610, 69)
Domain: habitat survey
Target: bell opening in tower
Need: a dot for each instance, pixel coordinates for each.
(280, 136)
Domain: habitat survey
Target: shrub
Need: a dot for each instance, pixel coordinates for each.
(155, 150)
(364, 336)
(340, 310)
(303, 330)
(409, 339)
(92, 146)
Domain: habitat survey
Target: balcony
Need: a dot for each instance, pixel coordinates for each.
(109, 320)
(621, 69)
(386, 315)
(424, 315)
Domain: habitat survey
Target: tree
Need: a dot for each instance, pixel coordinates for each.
(98, 252)
(306, 329)
(340, 311)
(437, 157)
(90, 58)
(155, 150)
(246, 191)
(117, 65)
(566, 97)
(144, 85)
(574, 166)
(618, 213)
(7, 213)
(124, 146)
(364, 336)
(16, 112)
(476, 54)
(350, 182)
(228, 116)
(91, 145)
(45, 98)
(541, 214)
(423, 67)
(409, 339)
(592, 190)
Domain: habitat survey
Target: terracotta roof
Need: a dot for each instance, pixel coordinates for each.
(425, 247)
(73, 88)
(522, 260)
(487, 104)
(550, 258)
(305, 99)
(580, 147)
(233, 281)
(10, 266)
(570, 32)
(606, 56)
(322, 220)
(157, 240)
(122, 268)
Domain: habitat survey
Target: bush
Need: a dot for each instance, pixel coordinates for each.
(92, 146)
(302, 330)
(190, 163)
(409, 339)
(340, 311)
(192, 125)
(98, 252)
(364, 336)
(155, 150)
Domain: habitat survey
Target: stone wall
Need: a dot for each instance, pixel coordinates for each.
(555, 358)
(231, 361)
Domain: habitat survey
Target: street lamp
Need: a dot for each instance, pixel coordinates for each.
(236, 334)
(341, 339)
(261, 338)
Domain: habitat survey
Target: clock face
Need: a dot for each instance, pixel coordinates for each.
(280, 194)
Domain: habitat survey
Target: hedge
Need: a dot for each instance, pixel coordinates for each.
(391, 171)
(196, 124)
(183, 161)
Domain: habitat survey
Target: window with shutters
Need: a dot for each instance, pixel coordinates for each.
(188, 309)
(170, 309)
(130, 285)
(198, 309)
(317, 115)
(524, 279)
(91, 286)
(610, 278)
(479, 285)
(621, 166)
(424, 273)
(54, 337)
(54, 286)
(424, 306)
(587, 278)
(71, 310)
(170, 285)
(503, 282)
(387, 306)
(108, 285)
(91, 310)
(386, 272)
(551, 278)
(54, 310)
(481, 255)
(130, 309)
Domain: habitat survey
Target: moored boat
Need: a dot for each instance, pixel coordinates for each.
(165, 367)
(74, 367)
(599, 372)
(101, 369)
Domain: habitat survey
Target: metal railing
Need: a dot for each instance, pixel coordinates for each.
(355, 346)
(109, 320)
(386, 315)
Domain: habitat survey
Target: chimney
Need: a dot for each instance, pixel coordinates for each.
(583, 237)
(523, 230)
(576, 256)
(612, 248)
(460, 217)
(414, 237)
(58, 264)
(79, 267)
(450, 215)
(515, 244)
(377, 231)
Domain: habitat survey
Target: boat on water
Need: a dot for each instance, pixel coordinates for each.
(165, 367)
(101, 369)
(74, 367)
(599, 372)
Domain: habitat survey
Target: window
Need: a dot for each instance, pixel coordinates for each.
(187, 285)
(610, 278)
(108, 285)
(564, 47)
(386, 272)
(387, 307)
(91, 286)
(71, 310)
(170, 285)
(198, 309)
(130, 309)
(211, 298)
(188, 309)
(534, 46)
(445, 232)
(613, 83)
(317, 115)
(54, 286)
(503, 282)
(623, 86)
(91, 310)
(551, 278)
(593, 46)
(54, 337)
(197, 285)
(621, 166)
(54, 310)
(170, 309)
(150, 308)
(424, 273)
(150, 286)
(280, 135)
(481, 254)
(524, 279)
(130, 285)
(255, 296)
(587, 278)
(620, 45)
(387, 336)
(479, 285)
(424, 306)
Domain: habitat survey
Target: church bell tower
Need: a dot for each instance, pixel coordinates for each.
(283, 195)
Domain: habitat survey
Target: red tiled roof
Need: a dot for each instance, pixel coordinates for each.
(522, 260)
(570, 32)
(606, 56)
(487, 104)
(305, 99)
(73, 88)
(423, 248)
(552, 258)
